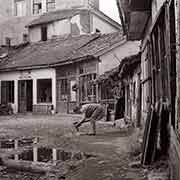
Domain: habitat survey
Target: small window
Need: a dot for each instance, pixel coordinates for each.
(7, 92)
(98, 31)
(44, 33)
(44, 90)
(20, 8)
(25, 38)
(37, 6)
(50, 5)
(72, 92)
(88, 88)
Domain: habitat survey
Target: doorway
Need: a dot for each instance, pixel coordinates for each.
(25, 96)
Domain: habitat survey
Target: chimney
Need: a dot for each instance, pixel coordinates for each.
(8, 42)
(92, 4)
(25, 38)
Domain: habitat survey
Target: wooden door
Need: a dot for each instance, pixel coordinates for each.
(29, 97)
(22, 103)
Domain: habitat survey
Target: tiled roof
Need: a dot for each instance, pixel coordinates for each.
(61, 50)
(128, 64)
(100, 45)
(56, 15)
(45, 53)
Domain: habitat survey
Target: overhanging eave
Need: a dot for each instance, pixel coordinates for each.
(140, 5)
(137, 24)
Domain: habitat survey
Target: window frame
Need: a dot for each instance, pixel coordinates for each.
(44, 33)
(36, 4)
(51, 94)
(9, 87)
(52, 2)
(23, 3)
(63, 90)
(105, 92)
(86, 97)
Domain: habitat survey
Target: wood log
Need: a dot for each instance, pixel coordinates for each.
(34, 167)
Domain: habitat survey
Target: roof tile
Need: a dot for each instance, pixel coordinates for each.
(60, 50)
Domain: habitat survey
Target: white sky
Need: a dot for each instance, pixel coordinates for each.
(109, 7)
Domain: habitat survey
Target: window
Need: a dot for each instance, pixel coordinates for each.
(20, 8)
(7, 92)
(106, 92)
(44, 90)
(50, 5)
(88, 88)
(72, 92)
(37, 6)
(98, 31)
(44, 33)
(64, 90)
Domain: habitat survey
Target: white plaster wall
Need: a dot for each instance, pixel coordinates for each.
(59, 28)
(102, 25)
(112, 59)
(35, 34)
(53, 29)
(76, 20)
(66, 4)
(31, 75)
(12, 26)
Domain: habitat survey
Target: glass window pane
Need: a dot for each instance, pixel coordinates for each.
(7, 92)
(20, 7)
(44, 90)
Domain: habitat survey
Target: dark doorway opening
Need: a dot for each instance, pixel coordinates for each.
(44, 33)
(120, 107)
(25, 96)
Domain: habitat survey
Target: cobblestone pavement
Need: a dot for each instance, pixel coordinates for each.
(111, 145)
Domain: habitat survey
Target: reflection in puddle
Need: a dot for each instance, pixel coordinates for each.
(16, 143)
(48, 155)
(8, 144)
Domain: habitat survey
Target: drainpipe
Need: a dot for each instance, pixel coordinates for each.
(121, 16)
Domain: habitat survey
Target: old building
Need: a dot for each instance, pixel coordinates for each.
(56, 75)
(156, 24)
(70, 21)
(130, 77)
(16, 14)
(55, 49)
(121, 89)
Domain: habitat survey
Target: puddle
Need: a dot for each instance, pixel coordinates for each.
(27, 141)
(7, 144)
(18, 143)
(44, 154)
(49, 155)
